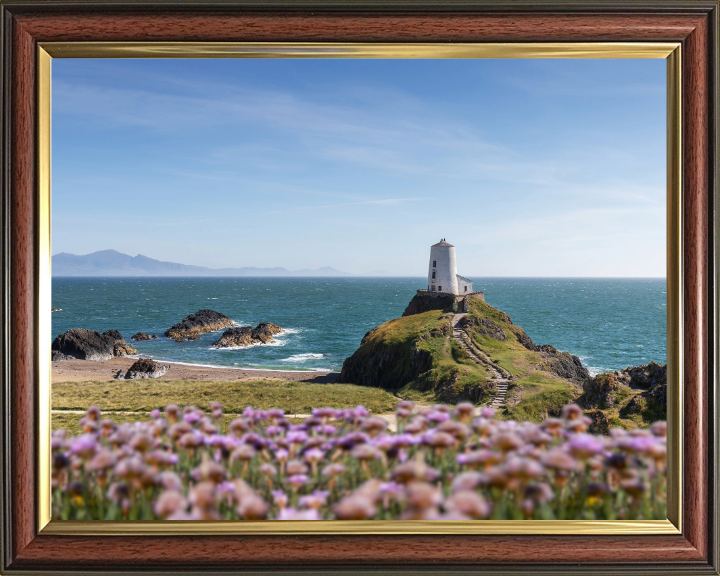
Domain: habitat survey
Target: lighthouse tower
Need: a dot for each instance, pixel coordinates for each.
(442, 271)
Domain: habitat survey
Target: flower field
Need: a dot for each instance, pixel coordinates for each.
(443, 463)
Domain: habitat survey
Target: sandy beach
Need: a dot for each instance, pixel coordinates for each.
(84, 370)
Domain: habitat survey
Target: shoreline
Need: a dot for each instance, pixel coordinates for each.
(89, 370)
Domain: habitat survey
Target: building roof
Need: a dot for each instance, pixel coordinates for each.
(463, 278)
(443, 243)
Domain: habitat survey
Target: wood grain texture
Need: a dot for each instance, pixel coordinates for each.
(696, 188)
(22, 291)
(396, 550)
(661, 554)
(318, 27)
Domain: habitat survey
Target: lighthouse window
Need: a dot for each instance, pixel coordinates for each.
(439, 288)
(434, 263)
(465, 288)
(433, 274)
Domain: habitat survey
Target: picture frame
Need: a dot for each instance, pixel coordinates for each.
(35, 31)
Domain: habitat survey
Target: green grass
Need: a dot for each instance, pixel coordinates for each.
(541, 396)
(71, 422)
(147, 395)
(404, 330)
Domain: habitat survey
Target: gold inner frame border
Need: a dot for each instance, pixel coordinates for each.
(670, 51)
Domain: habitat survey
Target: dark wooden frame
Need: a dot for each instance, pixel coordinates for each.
(24, 24)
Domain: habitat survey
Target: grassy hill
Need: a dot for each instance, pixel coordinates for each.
(417, 357)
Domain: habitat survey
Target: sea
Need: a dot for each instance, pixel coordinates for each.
(609, 323)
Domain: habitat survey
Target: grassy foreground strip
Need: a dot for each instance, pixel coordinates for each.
(148, 395)
(442, 463)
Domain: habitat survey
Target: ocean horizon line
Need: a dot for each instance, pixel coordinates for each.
(356, 277)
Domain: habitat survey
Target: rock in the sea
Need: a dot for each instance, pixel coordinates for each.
(141, 336)
(82, 344)
(246, 336)
(146, 368)
(154, 336)
(199, 323)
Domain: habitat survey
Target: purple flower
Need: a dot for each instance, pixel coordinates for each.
(296, 437)
(281, 455)
(297, 480)
(324, 412)
(155, 414)
(437, 416)
(275, 414)
(314, 455)
(360, 412)
(391, 488)
(406, 440)
(314, 500)
(487, 413)
(585, 445)
(280, 498)
(293, 514)
(84, 446)
(191, 417)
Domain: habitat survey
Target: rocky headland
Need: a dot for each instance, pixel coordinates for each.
(433, 353)
(247, 336)
(82, 344)
(201, 322)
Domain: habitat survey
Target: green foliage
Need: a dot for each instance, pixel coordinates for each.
(147, 395)
(540, 397)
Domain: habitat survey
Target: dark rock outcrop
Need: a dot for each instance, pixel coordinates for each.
(141, 336)
(199, 323)
(247, 336)
(483, 327)
(600, 423)
(82, 344)
(146, 368)
(611, 388)
(423, 303)
(601, 391)
(382, 365)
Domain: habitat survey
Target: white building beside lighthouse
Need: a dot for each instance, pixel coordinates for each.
(442, 271)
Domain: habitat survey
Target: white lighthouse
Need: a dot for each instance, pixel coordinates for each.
(442, 271)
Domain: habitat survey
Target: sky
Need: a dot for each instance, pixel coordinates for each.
(549, 168)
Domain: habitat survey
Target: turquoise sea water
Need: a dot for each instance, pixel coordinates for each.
(609, 323)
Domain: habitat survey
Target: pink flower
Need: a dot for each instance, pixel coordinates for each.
(314, 500)
(293, 514)
(84, 446)
(280, 498)
(314, 455)
(297, 480)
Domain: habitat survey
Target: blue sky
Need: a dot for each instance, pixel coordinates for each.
(529, 167)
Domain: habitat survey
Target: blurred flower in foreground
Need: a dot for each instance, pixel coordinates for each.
(444, 463)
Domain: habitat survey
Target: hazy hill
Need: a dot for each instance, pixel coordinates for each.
(114, 263)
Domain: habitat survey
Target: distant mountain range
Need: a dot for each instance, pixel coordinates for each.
(114, 263)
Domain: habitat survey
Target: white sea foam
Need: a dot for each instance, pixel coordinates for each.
(302, 357)
(276, 342)
(242, 367)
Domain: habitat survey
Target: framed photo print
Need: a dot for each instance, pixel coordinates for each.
(358, 287)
